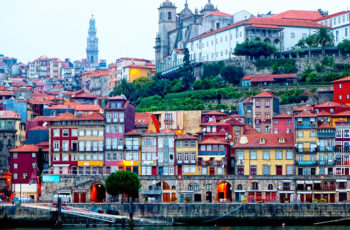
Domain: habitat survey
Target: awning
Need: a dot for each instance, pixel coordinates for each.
(286, 192)
(205, 158)
(308, 182)
(287, 181)
(300, 182)
(317, 181)
(341, 180)
(63, 191)
(218, 158)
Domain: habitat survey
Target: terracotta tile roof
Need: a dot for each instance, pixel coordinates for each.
(344, 79)
(323, 114)
(332, 15)
(303, 108)
(249, 99)
(100, 74)
(330, 104)
(214, 112)
(6, 93)
(306, 114)
(45, 143)
(236, 116)
(271, 141)
(341, 122)
(57, 87)
(265, 94)
(42, 118)
(211, 123)
(25, 148)
(116, 98)
(213, 141)
(268, 76)
(326, 126)
(168, 131)
(186, 137)
(218, 14)
(248, 130)
(142, 118)
(342, 114)
(298, 14)
(39, 128)
(9, 114)
(141, 66)
(283, 115)
(133, 132)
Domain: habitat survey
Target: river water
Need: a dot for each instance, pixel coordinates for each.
(204, 228)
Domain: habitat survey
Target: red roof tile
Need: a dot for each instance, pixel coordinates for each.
(271, 141)
(214, 112)
(214, 140)
(84, 117)
(282, 115)
(248, 130)
(142, 118)
(344, 79)
(39, 128)
(9, 114)
(186, 137)
(332, 15)
(265, 26)
(342, 114)
(306, 114)
(265, 94)
(330, 104)
(167, 131)
(323, 114)
(298, 14)
(304, 108)
(218, 14)
(273, 76)
(326, 126)
(134, 132)
(100, 74)
(25, 148)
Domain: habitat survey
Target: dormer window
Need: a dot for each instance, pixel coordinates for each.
(262, 141)
(281, 140)
(300, 121)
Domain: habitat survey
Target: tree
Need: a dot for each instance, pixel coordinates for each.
(186, 71)
(324, 37)
(175, 86)
(212, 69)
(344, 46)
(124, 88)
(310, 42)
(123, 182)
(232, 74)
(301, 43)
(254, 49)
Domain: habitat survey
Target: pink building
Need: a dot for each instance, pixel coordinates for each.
(283, 124)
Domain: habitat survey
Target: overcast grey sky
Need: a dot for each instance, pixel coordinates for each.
(58, 28)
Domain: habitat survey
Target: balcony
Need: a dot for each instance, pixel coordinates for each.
(325, 162)
(326, 149)
(326, 135)
(306, 150)
(342, 149)
(306, 163)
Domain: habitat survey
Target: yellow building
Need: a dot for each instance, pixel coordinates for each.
(186, 154)
(265, 154)
(306, 143)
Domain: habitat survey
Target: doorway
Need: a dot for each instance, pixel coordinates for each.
(98, 193)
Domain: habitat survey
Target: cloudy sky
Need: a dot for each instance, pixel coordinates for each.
(58, 28)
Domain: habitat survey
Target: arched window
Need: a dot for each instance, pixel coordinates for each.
(190, 187)
(255, 186)
(173, 187)
(169, 15)
(161, 16)
(196, 187)
(270, 187)
(239, 187)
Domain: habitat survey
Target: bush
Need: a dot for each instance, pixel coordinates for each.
(254, 49)
(323, 200)
(327, 61)
(278, 66)
(187, 199)
(245, 200)
(313, 77)
(315, 201)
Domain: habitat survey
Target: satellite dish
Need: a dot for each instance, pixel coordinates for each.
(243, 140)
(45, 124)
(204, 129)
(222, 110)
(231, 143)
(229, 136)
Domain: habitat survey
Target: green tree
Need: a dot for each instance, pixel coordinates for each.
(324, 37)
(232, 74)
(344, 46)
(301, 43)
(175, 86)
(186, 71)
(310, 42)
(124, 88)
(254, 49)
(212, 69)
(123, 182)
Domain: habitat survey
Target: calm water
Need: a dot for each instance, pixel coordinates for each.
(206, 228)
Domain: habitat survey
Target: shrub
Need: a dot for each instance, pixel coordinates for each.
(187, 199)
(315, 201)
(245, 200)
(323, 200)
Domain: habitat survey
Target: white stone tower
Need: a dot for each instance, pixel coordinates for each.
(92, 42)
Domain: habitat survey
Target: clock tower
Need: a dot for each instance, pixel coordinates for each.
(92, 42)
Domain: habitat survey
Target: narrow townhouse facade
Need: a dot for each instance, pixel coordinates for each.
(186, 155)
(120, 119)
(132, 151)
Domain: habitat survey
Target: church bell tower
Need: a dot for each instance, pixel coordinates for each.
(92, 42)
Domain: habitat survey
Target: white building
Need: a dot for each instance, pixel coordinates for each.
(281, 32)
(340, 24)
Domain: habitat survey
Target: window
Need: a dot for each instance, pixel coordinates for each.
(65, 146)
(56, 133)
(65, 132)
(65, 157)
(266, 169)
(300, 133)
(169, 15)
(240, 156)
(95, 132)
(279, 155)
(56, 157)
(289, 169)
(15, 166)
(312, 133)
(121, 116)
(100, 133)
(56, 146)
(292, 35)
(81, 146)
(290, 155)
(253, 170)
(15, 155)
(266, 155)
(253, 155)
(81, 133)
(267, 103)
(15, 176)
(240, 170)
(74, 132)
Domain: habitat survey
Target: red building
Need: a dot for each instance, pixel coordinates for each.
(341, 90)
(283, 124)
(331, 107)
(24, 169)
